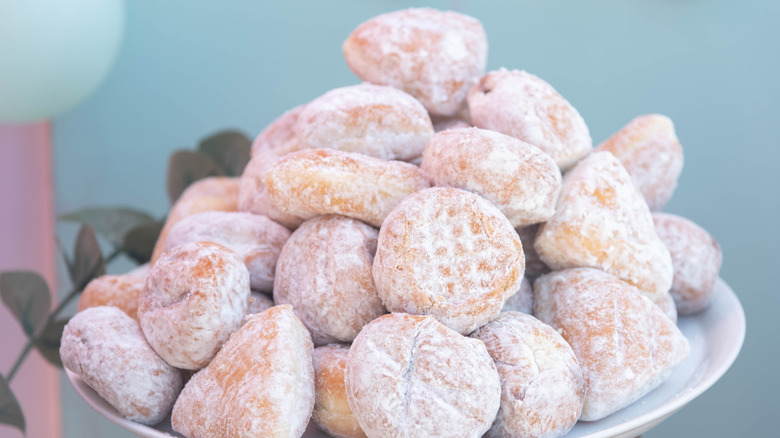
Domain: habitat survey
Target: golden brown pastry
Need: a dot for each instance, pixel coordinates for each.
(331, 408)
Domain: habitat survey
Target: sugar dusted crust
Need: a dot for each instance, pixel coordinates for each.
(410, 376)
(256, 239)
(208, 194)
(602, 221)
(316, 182)
(120, 291)
(696, 257)
(253, 196)
(524, 106)
(324, 271)
(448, 253)
(261, 384)
(195, 297)
(279, 138)
(624, 343)
(380, 121)
(651, 153)
(435, 56)
(331, 408)
(107, 349)
(521, 180)
(542, 388)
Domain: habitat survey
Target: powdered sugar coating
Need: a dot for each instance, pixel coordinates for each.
(436, 56)
(331, 412)
(667, 305)
(107, 349)
(524, 106)
(651, 153)
(279, 138)
(208, 194)
(380, 121)
(324, 271)
(522, 300)
(316, 182)
(522, 181)
(448, 253)
(261, 384)
(696, 257)
(542, 388)
(410, 376)
(256, 239)
(120, 291)
(195, 297)
(534, 266)
(602, 221)
(259, 302)
(624, 343)
(253, 196)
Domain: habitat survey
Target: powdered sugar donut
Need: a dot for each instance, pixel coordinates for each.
(649, 150)
(208, 194)
(542, 388)
(256, 239)
(696, 257)
(522, 181)
(524, 106)
(433, 55)
(324, 271)
(624, 343)
(316, 182)
(121, 291)
(331, 409)
(410, 376)
(522, 300)
(106, 348)
(261, 384)
(602, 221)
(253, 197)
(279, 138)
(383, 122)
(448, 253)
(195, 297)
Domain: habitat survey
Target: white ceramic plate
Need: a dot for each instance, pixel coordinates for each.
(715, 336)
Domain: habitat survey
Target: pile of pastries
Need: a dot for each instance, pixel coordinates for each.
(437, 251)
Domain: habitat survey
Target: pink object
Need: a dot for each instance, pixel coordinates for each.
(27, 242)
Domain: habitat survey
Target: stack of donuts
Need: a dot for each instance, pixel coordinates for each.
(438, 251)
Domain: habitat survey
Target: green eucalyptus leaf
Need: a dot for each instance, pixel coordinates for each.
(10, 411)
(27, 296)
(186, 167)
(112, 223)
(48, 343)
(229, 149)
(139, 242)
(87, 258)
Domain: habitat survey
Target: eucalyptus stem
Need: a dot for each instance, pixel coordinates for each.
(72, 294)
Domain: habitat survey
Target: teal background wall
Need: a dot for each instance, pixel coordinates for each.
(187, 69)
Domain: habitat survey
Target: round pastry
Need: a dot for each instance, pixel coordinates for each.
(253, 196)
(279, 138)
(259, 302)
(696, 258)
(522, 300)
(542, 388)
(316, 182)
(534, 266)
(448, 253)
(524, 106)
(208, 194)
(106, 348)
(195, 296)
(410, 376)
(256, 239)
(601, 221)
(433, 55)
(380, 121)
(324, 271)
(649, 150)
(522, 181)
(624, 343)
(261, 384)
(331, 409)
(120, 291)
